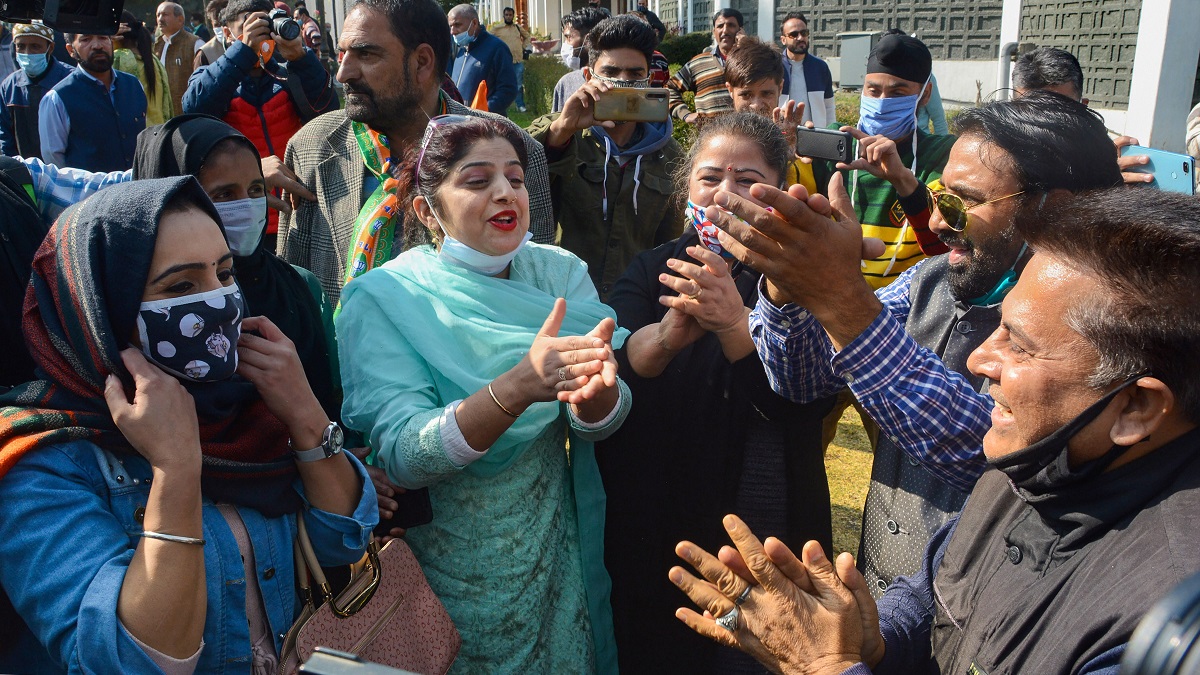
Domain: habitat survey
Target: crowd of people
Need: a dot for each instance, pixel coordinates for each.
(246, 294)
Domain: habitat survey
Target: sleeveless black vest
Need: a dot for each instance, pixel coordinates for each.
(906, 503)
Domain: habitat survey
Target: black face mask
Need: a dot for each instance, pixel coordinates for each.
(1039, 470)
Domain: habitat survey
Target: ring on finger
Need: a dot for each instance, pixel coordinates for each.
(742, 597)
(562, 374)
(729, 620)
(696, 295)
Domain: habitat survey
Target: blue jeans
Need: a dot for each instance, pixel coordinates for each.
(519, 69)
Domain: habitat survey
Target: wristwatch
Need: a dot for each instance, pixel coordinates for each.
(331, 444)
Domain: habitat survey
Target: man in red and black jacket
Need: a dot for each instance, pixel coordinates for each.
(263, 86)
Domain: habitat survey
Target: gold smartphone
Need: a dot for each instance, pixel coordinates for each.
(630, 104)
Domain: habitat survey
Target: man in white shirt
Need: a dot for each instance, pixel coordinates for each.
(806, 78)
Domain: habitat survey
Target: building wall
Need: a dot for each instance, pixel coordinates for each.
(957, 30)
(1103, 36)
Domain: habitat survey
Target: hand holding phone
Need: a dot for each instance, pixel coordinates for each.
(632, 104)
(1172, 171)
(835, 146)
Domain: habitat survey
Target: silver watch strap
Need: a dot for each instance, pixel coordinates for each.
(314, 455)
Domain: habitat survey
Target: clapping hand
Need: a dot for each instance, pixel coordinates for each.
(706, 291)
(802, 615)
(562, 368)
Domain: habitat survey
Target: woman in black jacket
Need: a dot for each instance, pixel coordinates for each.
(706, 436)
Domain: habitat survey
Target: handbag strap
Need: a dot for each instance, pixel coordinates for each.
(306, 564)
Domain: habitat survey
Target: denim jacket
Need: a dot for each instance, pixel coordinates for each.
(69, 522)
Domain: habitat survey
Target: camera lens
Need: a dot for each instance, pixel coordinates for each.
(283, 25)
(1185, 168)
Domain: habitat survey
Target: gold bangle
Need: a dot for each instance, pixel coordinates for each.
(497, 401)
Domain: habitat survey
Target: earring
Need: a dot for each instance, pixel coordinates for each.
(437, 238)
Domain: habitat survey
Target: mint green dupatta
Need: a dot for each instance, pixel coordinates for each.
(469, 329)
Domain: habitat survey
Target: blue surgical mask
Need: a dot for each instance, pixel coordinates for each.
(33, 64)
(244, 221)
(463, 39)
(456, 253)
(894, 117)
(194, 337)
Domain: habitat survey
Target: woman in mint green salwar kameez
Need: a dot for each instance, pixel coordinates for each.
(458, 367)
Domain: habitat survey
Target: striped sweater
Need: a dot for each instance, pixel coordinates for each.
(703, 75)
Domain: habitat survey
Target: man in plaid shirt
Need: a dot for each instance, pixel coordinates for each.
(903, 349)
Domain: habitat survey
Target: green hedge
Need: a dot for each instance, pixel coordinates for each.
(680, 48)
(542, 72)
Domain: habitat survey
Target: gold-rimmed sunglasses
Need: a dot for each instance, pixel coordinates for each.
(954, 211)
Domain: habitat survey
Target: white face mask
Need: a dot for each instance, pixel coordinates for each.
(456, 253)
(566, 54)
(244, 221)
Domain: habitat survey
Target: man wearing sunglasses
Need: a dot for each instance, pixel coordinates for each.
(806, 78)
(903, 349)
(611, 181)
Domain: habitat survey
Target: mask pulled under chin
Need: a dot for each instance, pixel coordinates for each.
(193, 337)
(1039, 470)
(456, 253)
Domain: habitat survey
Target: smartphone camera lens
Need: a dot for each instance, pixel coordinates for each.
(1185, 168)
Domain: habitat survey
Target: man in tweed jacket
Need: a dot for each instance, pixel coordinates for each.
(392, 70)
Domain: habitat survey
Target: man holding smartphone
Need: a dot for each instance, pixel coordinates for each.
(611, 181)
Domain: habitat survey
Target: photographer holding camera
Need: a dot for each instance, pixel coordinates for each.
(266, 85)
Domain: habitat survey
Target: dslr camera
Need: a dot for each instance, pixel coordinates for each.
(283, 25)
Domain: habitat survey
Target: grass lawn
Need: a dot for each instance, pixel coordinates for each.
(522, 119)
(848, 464)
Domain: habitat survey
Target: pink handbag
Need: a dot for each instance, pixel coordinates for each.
(388, 614)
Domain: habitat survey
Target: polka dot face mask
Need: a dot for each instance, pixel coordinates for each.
(194, 337)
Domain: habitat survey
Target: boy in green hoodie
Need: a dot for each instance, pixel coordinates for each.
(610, 182)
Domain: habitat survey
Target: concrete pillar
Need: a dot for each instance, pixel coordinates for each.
(766, 21)
(1010, 27)
(1164, 72)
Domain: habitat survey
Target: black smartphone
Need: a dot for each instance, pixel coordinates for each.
(413, 509)
(835, 146)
